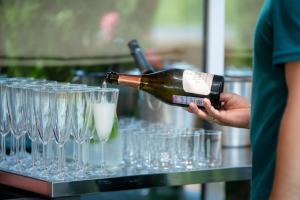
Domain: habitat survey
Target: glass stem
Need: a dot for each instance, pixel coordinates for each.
(23, 145)
(86, 154)
(45, 156)
(49, 153)
(102, 164)
(75, 151)
(33, 152)
(18, 150)
(60, 159)
(3, 147)
(12, 145)
(79, 156)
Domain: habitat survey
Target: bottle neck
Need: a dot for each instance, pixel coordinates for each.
(129, 80)
(140, 60)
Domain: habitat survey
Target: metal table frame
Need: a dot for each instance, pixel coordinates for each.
(236, 167)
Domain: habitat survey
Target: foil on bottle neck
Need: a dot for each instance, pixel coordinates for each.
(132, 81)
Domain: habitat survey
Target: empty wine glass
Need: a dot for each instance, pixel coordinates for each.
(4, 120)
(33, 83)
(41, 108)
(61, 117)
(104, 102)
(81, 125)
(30, 124)
(13, 148)
(16, 111)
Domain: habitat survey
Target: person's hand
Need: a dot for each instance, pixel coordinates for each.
(235, 111)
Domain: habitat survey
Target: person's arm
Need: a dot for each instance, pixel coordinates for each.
(286, 184)
(235, 111)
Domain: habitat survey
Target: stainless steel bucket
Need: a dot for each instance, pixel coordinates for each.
(152, 109)
(240, 84)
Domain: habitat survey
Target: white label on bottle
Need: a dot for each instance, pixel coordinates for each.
(197, 82)
(185, 100)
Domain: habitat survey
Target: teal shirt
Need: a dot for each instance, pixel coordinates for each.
(277, 41)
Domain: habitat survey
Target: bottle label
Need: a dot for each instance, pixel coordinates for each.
(186, 100)
(197, 82)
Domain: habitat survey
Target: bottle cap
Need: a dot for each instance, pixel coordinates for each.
(111, 77)
(133, 44)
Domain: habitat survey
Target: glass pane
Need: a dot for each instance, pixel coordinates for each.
(178, 29)
(240, 24)
(64, 32)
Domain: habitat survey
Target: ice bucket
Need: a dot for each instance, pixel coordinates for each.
(237, 81)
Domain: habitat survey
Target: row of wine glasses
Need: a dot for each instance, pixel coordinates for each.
(48, 111)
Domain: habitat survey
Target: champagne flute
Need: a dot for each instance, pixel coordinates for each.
(82, 119)
(4, 120)
(30, 122)
(103, 102)
(11, 81)
(61, 100)
(41, 108)
(17, 118)
(30, 83)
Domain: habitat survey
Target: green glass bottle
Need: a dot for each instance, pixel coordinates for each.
(175, 86)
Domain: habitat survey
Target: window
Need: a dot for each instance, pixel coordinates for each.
(240, 24)
(88, 33)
